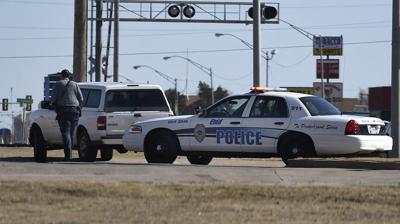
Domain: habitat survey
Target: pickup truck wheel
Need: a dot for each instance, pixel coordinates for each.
(106, 154)
(87, 152)
(162, 148)
(39, 146)
(199, 159)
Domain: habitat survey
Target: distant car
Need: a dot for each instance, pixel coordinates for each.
(258, 124)
(108, 110)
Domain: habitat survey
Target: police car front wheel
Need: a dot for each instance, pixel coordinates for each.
(162, 147)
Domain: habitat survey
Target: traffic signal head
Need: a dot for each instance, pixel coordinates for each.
(5, 104)
(267, 12)
(28, 103)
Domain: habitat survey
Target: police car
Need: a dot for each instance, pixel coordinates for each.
(258, 124)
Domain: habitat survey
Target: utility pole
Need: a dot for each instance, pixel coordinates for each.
(116, 41)
(80, 40)
(99, 23)
(256, 42)
(395, 116)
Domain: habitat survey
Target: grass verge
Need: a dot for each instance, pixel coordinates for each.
(118, 202)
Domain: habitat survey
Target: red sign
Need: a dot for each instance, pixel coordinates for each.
(331, 68)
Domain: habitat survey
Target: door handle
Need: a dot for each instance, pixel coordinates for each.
(235, 122)
(279, 123)
(137, 115)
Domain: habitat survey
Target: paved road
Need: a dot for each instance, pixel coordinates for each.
(244, 171)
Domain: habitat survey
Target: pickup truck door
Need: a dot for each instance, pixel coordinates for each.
(49, 125)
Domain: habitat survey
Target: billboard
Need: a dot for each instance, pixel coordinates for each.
(333, 90)
(331, 68)
(330, 45)
(305, 90)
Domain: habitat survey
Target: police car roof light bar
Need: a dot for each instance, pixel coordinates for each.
(260, 89)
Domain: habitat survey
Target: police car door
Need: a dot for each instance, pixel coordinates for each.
(267, 119)
(218, 128)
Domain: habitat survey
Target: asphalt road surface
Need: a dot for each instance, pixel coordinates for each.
(304, 172)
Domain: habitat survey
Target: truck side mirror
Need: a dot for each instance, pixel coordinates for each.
(197, 109)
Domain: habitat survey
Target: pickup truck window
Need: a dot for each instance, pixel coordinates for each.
(318, 106)
(135, 100)
(93, 98)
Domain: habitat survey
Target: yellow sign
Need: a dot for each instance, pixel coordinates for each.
(305, 90)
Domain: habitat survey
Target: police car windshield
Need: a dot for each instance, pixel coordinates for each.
(318, 106)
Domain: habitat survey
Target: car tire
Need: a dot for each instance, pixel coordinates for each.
(162, 148)
(293, 146)
(87, 152)
(106, 154)
(122, 151)
(199, 159)
(39, 146)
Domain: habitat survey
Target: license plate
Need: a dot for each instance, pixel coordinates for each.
(374, 129)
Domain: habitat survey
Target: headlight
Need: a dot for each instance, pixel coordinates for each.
(136, 129)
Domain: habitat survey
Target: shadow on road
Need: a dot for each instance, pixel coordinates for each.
(366, 164)
(30, 159)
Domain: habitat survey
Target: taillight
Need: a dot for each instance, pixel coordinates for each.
(352, 128)
(101, 123)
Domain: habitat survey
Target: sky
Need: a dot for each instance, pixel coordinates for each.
(36, 39)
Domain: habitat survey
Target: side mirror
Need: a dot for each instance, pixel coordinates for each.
(45, 104)
(197, 110)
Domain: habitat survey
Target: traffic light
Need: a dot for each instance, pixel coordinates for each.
(267, 12)
(29, 103)
(5, 104)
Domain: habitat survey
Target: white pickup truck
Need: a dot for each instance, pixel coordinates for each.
(108, 110)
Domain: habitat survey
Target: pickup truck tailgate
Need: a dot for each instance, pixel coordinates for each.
(118, 122)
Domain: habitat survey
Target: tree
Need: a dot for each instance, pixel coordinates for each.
(205, 95)
(204, 101)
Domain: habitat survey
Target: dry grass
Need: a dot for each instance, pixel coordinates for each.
(77, 202)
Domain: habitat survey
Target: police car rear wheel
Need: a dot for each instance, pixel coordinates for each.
(162, 148)
(199, 159)
(293, 146)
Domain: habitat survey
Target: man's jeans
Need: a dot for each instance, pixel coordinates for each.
(68, 120)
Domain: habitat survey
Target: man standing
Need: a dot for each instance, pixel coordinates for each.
(67, 100)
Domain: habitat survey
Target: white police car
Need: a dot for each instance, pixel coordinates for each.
(258, 124)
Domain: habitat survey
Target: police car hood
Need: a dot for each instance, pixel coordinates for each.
(345, 118)
(166, 119)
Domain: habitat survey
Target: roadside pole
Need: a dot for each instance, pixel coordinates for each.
(116, 41)
(395, 116)
(322, 67)
(80, 41)
(256, 42)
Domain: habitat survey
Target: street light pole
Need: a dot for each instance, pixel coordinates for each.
(203, 68)
(169, 79)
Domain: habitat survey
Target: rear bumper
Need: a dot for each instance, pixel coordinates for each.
(112, 140)
(350, 144)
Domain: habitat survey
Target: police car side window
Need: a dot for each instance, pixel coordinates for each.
(266, 106)
(232, 107)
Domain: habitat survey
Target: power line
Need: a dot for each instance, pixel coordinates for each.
(336, 6)
(193, 51)
(35, 2)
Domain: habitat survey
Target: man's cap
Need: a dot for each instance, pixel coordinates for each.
(65, 73)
